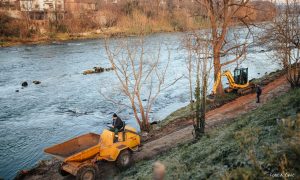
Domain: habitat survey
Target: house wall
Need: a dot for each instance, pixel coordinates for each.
(78, 6)
(41, 5)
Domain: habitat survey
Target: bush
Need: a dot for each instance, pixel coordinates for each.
(179, 21)
(74, 24)
(129, 7)
(9, 27)
(111, 17)
(12, 27)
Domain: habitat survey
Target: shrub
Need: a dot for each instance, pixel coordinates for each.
(9, 27)
(129, 7)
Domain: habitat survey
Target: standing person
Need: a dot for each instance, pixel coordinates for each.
(258, 93)
(117, 125)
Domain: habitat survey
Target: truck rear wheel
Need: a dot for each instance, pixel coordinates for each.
(124, 159)
(88, 172)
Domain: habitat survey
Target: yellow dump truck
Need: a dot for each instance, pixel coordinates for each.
(79, 155)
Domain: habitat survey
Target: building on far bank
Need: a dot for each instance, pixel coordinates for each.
(41, 5)
(46, 9)
(78, 6)
(42, 9)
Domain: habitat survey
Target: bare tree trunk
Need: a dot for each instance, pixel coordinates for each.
(200, 53)
(203, 99)
(198, 104)
(217, 71)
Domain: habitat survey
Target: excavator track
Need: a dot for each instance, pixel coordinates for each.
(247, 90)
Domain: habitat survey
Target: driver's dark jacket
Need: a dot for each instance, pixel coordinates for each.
(118, 123)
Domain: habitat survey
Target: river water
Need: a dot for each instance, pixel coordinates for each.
(67, 103)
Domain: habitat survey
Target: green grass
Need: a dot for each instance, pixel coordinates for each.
(257, 145)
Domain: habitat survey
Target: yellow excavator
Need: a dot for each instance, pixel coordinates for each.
(238, 83)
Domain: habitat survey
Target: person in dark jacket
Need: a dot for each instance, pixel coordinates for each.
(258, 93)
(117, 125)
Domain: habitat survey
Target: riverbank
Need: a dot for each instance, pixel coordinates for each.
(260, 144)
(137, 23)
(181, 118)
(112, 32)
(122, 20)
(61, 108)
(154, 148)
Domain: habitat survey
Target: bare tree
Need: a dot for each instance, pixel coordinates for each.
(141, 77)
(188, 44)
(26, 9)
(221, 16)
(199, 61)
(283, 35)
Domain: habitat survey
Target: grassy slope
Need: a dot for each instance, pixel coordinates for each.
(185, 112)
(253, 145)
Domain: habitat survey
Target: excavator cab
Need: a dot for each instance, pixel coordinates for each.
(238, 82)
(241, 76)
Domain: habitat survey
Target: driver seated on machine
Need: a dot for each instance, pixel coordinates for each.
(117, 126)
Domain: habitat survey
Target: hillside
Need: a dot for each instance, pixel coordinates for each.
(261, 144)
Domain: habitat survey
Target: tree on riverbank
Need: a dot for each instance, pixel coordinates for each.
(141, 76)
(221, 16)
(199, 64)
(283, 35)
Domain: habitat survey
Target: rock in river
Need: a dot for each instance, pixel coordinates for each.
(96, 70)
(36, 82)
(24, 84)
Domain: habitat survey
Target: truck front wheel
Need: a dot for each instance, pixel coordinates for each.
(88, 172)
(61, 171)
(124, 159)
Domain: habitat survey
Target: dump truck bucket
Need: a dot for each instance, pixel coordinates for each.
(73, 148)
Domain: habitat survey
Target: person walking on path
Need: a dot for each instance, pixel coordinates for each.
(258, 93)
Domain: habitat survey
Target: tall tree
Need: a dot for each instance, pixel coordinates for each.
(283, 35)
(222, 14)
(199, 63)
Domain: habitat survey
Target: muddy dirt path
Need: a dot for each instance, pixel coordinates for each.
(218, 116)
(214, 118)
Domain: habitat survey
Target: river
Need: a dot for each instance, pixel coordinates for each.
(68, 103)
